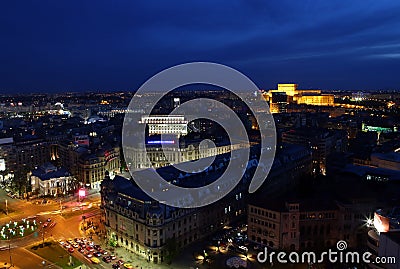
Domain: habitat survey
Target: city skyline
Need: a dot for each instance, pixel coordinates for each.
(207, 135)
(57, 47)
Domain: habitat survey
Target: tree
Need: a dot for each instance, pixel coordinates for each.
(112, 241)
(20, 181)
(171, 248)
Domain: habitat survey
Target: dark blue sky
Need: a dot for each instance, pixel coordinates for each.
(117, 45)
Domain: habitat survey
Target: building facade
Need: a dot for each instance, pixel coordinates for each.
(148, 228)
(304, 224)
(297, 96)
(156, 155)
(50, 180)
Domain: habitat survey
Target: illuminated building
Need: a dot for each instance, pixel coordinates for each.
(144, 226)
(294, 95)
(358, 96)
(30, 153)
(289, 89)
(278, 103)
(315, 100)
(318, 221)
(50, 180)
(92, 167)
(168, 124)
(88, 165)
(159, 154)
(7, 159)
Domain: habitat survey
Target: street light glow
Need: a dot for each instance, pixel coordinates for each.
(82, 193)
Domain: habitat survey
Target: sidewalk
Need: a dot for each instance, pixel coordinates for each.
(8, 265)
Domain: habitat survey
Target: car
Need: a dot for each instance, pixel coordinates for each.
(71, 250)
(107, 259)
(61, 242)
(112, 256)
(97, 247)
(52, 224)
(97, 254)
(89, 255)
(116, 266)
(103, 252)
(89, 248)
(128, 266)
(75, 245)
(49, 220)
(81, 250)
(95, 260)
(45, 224)
(67, 246)
(120, 262)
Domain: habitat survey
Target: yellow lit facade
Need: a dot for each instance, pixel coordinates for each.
(306, 97)
(316, 100)
(289, 89)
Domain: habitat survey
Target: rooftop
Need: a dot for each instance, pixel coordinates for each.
(49, 171)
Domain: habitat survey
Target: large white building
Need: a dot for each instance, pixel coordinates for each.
(157, 156)
(50, 180)
(166, 124)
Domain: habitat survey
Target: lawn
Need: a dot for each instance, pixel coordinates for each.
(54, 253)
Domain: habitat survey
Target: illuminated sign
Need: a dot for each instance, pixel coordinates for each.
(82, 192)
(2, 165)
(368, 128)
(161, 142)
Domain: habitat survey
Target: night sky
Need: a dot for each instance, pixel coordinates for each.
(54, 45)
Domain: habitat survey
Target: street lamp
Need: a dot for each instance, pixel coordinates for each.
(9, 250)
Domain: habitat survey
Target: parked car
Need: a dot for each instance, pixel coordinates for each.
(95, 260)
(107, 259)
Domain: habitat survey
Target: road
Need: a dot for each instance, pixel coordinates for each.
(66, 225)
